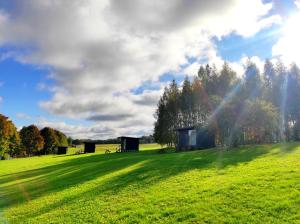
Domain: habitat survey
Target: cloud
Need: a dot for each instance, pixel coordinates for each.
(109, 117)
(92, 132)
(287, 46)
(100, 50)
(1, 99)
(23, 116)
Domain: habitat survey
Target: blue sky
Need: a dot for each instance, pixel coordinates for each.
(63, 71)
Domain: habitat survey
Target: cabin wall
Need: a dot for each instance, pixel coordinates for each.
(89, 147)
(62, 150)
(129, 144)
(205, 139)
(195, 139)
(183, 140)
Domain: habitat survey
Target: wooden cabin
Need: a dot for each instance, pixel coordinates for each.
(62, 150)
(189, 138)
(89, 147)
(129, 144)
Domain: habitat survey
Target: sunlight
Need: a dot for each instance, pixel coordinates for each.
(282, 109)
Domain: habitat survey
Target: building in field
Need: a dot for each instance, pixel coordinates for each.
(62, 150)
(189, 138)
(89, 147)
(129, 144)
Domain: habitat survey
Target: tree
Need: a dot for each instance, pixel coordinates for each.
(199, 102)
(240, 111)
(186, 103)
(62, 139)
(70, 141)
(172, 107)
(252, 82)
(261, 122)
(9, 137)
(161, 129)
(226, 80)
(50, 140)
(31, 140)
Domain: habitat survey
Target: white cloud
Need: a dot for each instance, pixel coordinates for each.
(23, 116)
(1, 99)
(100, 50)
(95, 131)
(287, 46)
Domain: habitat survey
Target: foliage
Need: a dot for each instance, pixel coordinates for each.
(31, 140)
(50, 140)
(260, 107)
(62, 139)
(9, 137)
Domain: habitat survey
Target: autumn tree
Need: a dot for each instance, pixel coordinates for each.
(9, 137)
(32, 141)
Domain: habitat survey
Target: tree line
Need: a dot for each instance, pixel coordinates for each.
(29, 140)
(143, 140)
(259, 107)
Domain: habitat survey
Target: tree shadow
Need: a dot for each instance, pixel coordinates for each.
(150, 167)
(286, 148)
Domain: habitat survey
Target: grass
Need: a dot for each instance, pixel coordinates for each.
(101, 148)
(257, 184)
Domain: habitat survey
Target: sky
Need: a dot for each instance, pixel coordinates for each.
(96, 69)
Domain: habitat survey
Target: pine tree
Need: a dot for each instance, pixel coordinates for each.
(186, 103)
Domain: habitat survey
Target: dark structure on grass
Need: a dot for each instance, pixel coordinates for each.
(195, 138)
(89, 147)
(62, 150)
(129, 144)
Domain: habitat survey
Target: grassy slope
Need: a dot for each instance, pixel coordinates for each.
(246, 185)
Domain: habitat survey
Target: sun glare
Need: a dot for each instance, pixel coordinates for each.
(291, 29)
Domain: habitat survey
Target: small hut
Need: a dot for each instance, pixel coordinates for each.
(89, 147)
(62, 150)
(129, 144)
(195, 138)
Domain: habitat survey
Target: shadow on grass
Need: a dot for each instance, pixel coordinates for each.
(150, 167)
(289, 147)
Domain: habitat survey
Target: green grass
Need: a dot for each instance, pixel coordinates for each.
(257, 184)
(101, 148)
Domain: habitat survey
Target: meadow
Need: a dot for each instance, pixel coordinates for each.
(249, 184)
(101, 148)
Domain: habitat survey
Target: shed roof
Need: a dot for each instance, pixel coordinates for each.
(128, 137)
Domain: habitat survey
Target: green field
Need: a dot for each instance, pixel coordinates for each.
(101, 148)
(257, 184)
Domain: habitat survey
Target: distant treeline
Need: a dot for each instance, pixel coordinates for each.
(255, 108)
(143, 140)
(29, 140)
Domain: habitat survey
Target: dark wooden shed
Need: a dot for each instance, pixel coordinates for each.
(61, 150)
(89, 147)
(129, 144)
(195, 138)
